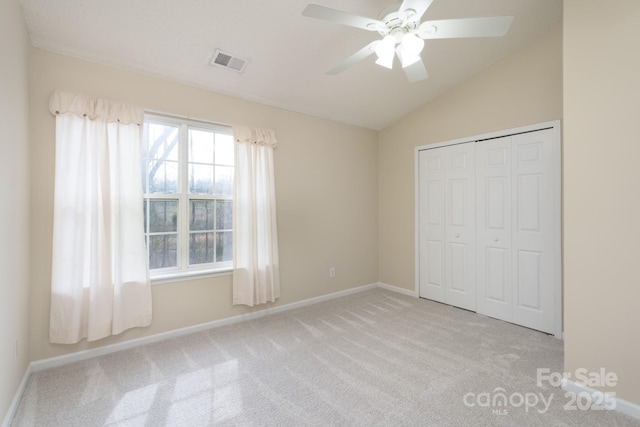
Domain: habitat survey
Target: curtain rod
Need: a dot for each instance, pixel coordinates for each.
(180, 116)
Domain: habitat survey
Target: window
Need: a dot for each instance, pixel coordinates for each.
(187, 177)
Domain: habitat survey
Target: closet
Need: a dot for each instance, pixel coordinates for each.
(488, 225)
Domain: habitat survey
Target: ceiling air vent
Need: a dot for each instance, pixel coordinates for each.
(227, 60)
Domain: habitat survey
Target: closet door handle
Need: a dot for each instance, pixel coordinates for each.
(457, 235)
(495, 239)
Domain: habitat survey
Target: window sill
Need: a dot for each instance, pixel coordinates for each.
(182, 276)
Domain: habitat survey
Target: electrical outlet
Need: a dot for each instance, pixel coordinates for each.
(332, 272)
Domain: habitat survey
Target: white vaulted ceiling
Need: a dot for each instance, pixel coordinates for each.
(288, 53)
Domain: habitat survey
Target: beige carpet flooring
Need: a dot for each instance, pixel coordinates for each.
(375, 358)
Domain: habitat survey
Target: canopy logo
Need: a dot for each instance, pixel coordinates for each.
(499, 401)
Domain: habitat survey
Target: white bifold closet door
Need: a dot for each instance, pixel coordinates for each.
(489, 227)
(447, 225)
(516, 188)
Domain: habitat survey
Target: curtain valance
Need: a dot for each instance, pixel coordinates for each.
(95, 109)
(255, 136)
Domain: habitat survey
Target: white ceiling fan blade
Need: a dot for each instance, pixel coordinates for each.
(420, 6)
(356, 57)
(466, 27)
(416, 71)
(340, 17)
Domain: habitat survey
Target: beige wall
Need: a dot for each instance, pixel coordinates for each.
(524, 88)
(14, 196)
(326, 187)
(602, 189)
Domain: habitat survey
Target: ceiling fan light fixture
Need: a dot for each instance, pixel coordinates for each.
(412, 45)
(405, 59)
(409, 49)
(386, 62)
(385, 51)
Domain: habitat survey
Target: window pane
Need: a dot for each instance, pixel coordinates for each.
(224, 212)
(224, 180)
(163, 177)
(163, 216)
(201, 248)
(162, 142)
(224, 149)
(201, 215)
(200, 179)
(163, 251)
(200, 146)
(224, 246)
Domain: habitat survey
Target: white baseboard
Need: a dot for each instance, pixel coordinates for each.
(13, 408)
(622, 406)
(398, 289)
(112, 348)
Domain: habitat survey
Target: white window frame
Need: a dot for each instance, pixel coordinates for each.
(184, 271)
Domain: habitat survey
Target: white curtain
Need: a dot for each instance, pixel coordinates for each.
(100, 280)
(256, 276)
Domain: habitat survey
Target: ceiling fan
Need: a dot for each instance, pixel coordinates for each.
(403, 34)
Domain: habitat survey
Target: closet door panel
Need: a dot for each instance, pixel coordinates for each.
(535, 223)
(493, 232)
(460, 287)
(431, 224)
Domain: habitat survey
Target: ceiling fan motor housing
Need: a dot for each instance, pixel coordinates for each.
(398, 24)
